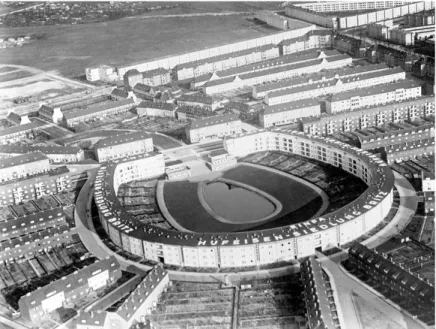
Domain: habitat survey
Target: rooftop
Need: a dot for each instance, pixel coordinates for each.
(143, 87)
(22, 159)
(155, 72)
(212, 121)
(319, 76)
(332, 82)
(121, 139)
(218, 153)
(375, 90)
(23, 128)
(158, 105)
(45, 109)
(36, 177)
(291, 106)
(69, 282)
(198, 98)
(97, 109)
(120, 93)
(224, 57)
(196, 111)
(127, 309)
(46, 149)
(370, 110)
(402, 254)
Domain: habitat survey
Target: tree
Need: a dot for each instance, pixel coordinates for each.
(85, 145)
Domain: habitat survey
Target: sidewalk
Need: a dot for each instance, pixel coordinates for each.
(405, 213)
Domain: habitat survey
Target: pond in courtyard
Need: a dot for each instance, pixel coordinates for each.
(236, 204)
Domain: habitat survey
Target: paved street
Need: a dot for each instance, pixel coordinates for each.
(405, 213)
(344, 285)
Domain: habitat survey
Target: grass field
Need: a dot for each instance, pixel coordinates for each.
(15, 76)
(69, 49)
(297, 207)
(7, 69)
(38, 87)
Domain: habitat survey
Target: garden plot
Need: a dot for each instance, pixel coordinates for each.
(27, 269)
(194, 304)
(62, 253)
(272, 303)
(15, 271)
(55, 259)
(6, 276)
(46, 203)
(45, 262)
(6, 213)
(63, 199)
(37, 266)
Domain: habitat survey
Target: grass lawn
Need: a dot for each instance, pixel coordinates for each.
(182, 201)
(69, 49)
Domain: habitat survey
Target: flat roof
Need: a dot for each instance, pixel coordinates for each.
(218, 153)
(173, 163)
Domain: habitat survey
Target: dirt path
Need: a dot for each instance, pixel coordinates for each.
(51, 75)
(197, 14)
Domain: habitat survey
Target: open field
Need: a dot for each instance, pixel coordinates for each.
(69, 49)
(29, 82)
(6, 69)
(14, 76)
